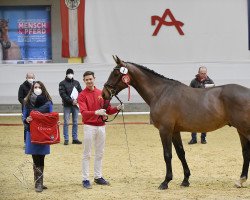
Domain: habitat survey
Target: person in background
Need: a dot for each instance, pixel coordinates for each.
(91, 107)
(23, 90)
(200, 81)
(37, 99)
(70, 105)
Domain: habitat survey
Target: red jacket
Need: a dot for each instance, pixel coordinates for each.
(89, 101)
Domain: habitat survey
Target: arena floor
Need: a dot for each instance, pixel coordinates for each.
(214, 166)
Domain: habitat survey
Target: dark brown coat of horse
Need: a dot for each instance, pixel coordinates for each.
(175, 107)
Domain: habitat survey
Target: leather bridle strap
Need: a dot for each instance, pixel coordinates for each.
(105, 119)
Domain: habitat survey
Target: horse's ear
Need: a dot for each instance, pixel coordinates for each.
(118, 60)
(114, 58)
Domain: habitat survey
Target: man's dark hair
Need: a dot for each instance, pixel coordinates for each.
(87, 73)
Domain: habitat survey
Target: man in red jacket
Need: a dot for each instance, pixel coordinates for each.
(91, 107)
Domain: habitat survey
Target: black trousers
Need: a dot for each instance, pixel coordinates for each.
(38, 160)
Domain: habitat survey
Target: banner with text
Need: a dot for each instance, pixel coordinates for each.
(25, 34)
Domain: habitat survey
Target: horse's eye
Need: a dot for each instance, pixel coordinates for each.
(116, 72)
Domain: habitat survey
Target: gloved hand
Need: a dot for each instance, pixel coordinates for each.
(120, 107)
(101, 112)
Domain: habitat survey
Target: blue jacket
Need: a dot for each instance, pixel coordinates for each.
(36, 149)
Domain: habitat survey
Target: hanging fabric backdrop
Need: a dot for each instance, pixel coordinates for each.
(144, 32)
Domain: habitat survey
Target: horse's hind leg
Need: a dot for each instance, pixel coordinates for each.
(245, 144)
(181, 155)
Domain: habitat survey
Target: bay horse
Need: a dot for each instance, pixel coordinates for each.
(176, 107)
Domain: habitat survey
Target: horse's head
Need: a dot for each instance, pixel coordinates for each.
(117, 81)
(4, 40)
(3, 27)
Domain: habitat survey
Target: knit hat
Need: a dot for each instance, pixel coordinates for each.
(69, 71)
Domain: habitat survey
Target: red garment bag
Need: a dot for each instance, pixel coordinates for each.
(44, 128)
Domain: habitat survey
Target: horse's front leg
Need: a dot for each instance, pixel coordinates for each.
(245, 144)
(166, 139)
(181, 155)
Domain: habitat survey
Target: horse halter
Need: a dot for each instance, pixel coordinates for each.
(112, 90)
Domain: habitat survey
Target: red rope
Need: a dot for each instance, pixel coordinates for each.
(128, 92)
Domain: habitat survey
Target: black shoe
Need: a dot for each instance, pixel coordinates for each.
(101, 181)
(192, 141)
(203, 141)
(66, 142)
(76, 142)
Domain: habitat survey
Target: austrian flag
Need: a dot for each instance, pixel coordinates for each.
(72, 23)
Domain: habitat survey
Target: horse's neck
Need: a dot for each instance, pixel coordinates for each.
(147, 86)
(4, 36)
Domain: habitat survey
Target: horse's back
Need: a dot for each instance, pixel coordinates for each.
(236, 94)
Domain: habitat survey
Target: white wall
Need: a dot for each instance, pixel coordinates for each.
(51, 74)
(216, 35)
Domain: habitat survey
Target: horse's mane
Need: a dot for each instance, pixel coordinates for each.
(153, 72)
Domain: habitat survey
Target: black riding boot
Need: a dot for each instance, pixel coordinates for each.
(44, 187)
(39, 180)
(36, 175)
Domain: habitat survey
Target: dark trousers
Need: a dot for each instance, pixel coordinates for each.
(38, 160)
(25, 129)
(194, 136)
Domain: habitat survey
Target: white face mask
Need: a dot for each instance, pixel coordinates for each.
(30, 80)
(37, 91)
(70, 76)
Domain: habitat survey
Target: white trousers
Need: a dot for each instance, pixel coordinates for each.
(93, 135)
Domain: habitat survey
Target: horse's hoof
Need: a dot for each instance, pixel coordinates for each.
(238, 184)
(185, 184)
(163, 186)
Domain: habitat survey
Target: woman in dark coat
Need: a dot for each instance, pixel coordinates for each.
(37, 99)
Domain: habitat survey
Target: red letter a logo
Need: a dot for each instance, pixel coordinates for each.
(161, 21)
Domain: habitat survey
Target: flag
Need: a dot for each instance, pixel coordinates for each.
(72, 23)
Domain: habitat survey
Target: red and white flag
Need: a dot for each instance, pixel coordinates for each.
(72, 23)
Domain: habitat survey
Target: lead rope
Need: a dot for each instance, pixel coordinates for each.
(125, 131)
